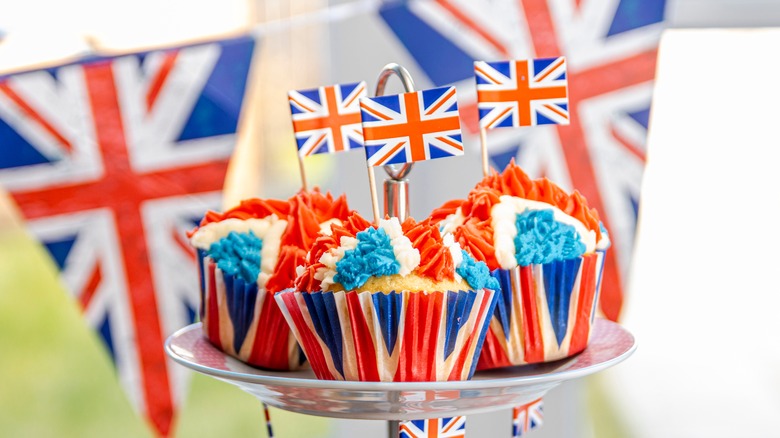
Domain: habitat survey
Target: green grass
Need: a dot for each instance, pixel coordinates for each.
(56, 379)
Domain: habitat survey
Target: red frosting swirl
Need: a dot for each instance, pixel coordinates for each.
(304, 212)
(435, 258)
(445, 210)
(249, 209)
(476, 237)
(307, 211)
(514, 182)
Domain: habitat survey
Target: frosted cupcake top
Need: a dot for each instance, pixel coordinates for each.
(264, 240)
(510, 220)
(390, 257)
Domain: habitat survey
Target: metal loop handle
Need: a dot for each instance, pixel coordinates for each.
(395, 171)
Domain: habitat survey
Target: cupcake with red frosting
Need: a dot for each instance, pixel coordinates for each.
(247, 254)
(393, 302)
(546, 249)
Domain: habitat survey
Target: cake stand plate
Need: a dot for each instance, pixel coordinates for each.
(300, 391)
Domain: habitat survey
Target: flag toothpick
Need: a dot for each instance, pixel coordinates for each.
(304, 184)
(520, 93)
(403, 128)
(326, 120)
(484, 151)
(268, 426)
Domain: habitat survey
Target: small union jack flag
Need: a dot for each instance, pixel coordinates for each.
(417, 126)
(327, 119)
(522, 93)
(447, 427)
(527, 417)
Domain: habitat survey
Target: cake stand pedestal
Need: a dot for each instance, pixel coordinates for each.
(300, 391)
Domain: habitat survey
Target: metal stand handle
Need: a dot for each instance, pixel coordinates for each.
(397, 186)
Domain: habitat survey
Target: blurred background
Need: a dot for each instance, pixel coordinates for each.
(693, 273)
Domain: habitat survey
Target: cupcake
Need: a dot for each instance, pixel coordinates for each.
(247, 254)
(393, 302)
(546, 249)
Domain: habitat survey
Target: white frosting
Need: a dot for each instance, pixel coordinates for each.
(407, 255)
(503, 218)
(326, 273)
(325, 226)
(604, 242)
(455, 251)
(452, 222)
(269, 229)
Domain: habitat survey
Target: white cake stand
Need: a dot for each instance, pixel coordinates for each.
(300, 391)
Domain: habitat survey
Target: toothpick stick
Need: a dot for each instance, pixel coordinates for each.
(303, 173)
(374, 197)
(268, 421)
(483, 144)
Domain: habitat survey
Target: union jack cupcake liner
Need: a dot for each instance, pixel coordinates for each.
(543, 312)
(244, 321)
(398, 336)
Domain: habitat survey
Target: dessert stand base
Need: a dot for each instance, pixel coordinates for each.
(300, 391)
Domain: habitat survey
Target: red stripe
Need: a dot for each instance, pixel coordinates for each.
(159, 79)
(485, 74)
(465, 355)
(307, 339)
(271, 337)
(356, 94)
(365, 351)
(493, 354)
(374, 112)
(91, 288)
(180, 241)
(212, 309)
(533, 345)
(143, 302)
(449, 142)
(556, 111)
(550, 70)
(32, 114)
(579, 336)
(541, 28)
(417, 360)
(627, 144)
(441, 102)
(300, 104)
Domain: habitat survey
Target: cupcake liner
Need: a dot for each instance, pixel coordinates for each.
(398, 336)
(543, 312)
(244, 321)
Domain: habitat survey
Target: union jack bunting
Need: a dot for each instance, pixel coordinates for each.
(447, 427)
(111, 160)
(327, 119)
(401, 336)
(527, 417)
(610, 48)
(522, 93)
(416, 126)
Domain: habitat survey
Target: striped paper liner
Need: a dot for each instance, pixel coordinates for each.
(543, 312)
(398, 336)
(244, 321)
